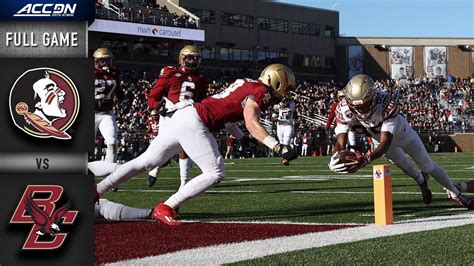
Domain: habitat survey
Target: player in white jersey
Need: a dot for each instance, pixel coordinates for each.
(375, 113)
(285, 122)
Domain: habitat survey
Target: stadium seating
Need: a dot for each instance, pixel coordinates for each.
(147, 12)
(425, 103)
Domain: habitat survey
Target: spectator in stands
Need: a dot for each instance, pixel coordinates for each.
(305, 143)
(424, 102)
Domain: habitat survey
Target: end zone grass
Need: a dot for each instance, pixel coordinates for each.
(307, 191)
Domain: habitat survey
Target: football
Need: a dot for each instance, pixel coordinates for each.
(346, 156)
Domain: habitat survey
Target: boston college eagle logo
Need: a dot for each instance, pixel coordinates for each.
(38, 207)
(44, 103)
(48, 225)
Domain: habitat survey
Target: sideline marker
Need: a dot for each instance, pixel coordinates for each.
(383, 194)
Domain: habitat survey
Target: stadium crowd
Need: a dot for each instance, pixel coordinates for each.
(144, 11)
(424, 102)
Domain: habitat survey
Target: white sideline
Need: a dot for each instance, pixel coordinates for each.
(229, 253)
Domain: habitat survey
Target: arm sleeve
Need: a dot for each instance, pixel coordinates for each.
(331, 116)
(158, 91)
(201, 92)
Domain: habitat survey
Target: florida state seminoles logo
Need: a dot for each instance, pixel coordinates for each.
(44, 103)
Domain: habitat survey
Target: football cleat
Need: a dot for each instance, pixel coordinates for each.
(425, 190)
(464, 201)
(285, 162)
(114, 189)
(165, 214)
(151, 180)
(451, 194)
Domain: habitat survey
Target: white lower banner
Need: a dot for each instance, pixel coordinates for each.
(148, 30)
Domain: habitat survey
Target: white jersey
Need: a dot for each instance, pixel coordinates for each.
(286, 114)
(384, 118)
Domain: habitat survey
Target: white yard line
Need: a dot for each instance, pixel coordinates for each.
(229, 253)
(257, 192)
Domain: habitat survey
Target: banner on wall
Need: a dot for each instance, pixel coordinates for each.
(355, 60)
(401, 62)
(435, 61)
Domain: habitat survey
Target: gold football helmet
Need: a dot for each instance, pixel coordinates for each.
(279, 77)
(360, 95)
(190, 57)
(154, 112)
(340, 94)
(103, 58)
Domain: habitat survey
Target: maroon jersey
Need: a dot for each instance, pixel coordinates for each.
(178, 84)
(227, 107)
(106, 84)
(332, 115)
(153, 127)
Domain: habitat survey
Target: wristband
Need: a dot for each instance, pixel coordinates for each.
(270, 142)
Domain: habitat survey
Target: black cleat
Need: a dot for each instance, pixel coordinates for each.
(114, 189)
(151, 180)
(464, 201)
(425, 190)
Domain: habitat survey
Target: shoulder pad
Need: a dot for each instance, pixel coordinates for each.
(167, 71)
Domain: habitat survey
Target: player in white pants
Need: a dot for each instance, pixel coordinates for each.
(285, 122)
(375, 112)
(105, 122)
(189, 128)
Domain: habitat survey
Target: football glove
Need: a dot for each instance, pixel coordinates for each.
(161, 107)
(362, 160)
(286, 152)
(336, 166)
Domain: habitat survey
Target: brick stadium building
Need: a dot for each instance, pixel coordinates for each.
(242, 36)
(249, 34)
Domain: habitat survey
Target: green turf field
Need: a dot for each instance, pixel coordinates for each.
(307, 191)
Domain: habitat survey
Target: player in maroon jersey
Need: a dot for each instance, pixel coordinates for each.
(153, 124)
(190, 127)
(107, 82)
(180, 85)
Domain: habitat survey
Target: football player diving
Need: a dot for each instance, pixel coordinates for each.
(375, 113)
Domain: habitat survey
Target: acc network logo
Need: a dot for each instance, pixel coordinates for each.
(44, 103)
(47, 10)
(44, 215)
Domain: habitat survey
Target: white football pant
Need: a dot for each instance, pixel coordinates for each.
(105, 122)
(285, 133)
(184, 130)
(408, 142)
(109, 210)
